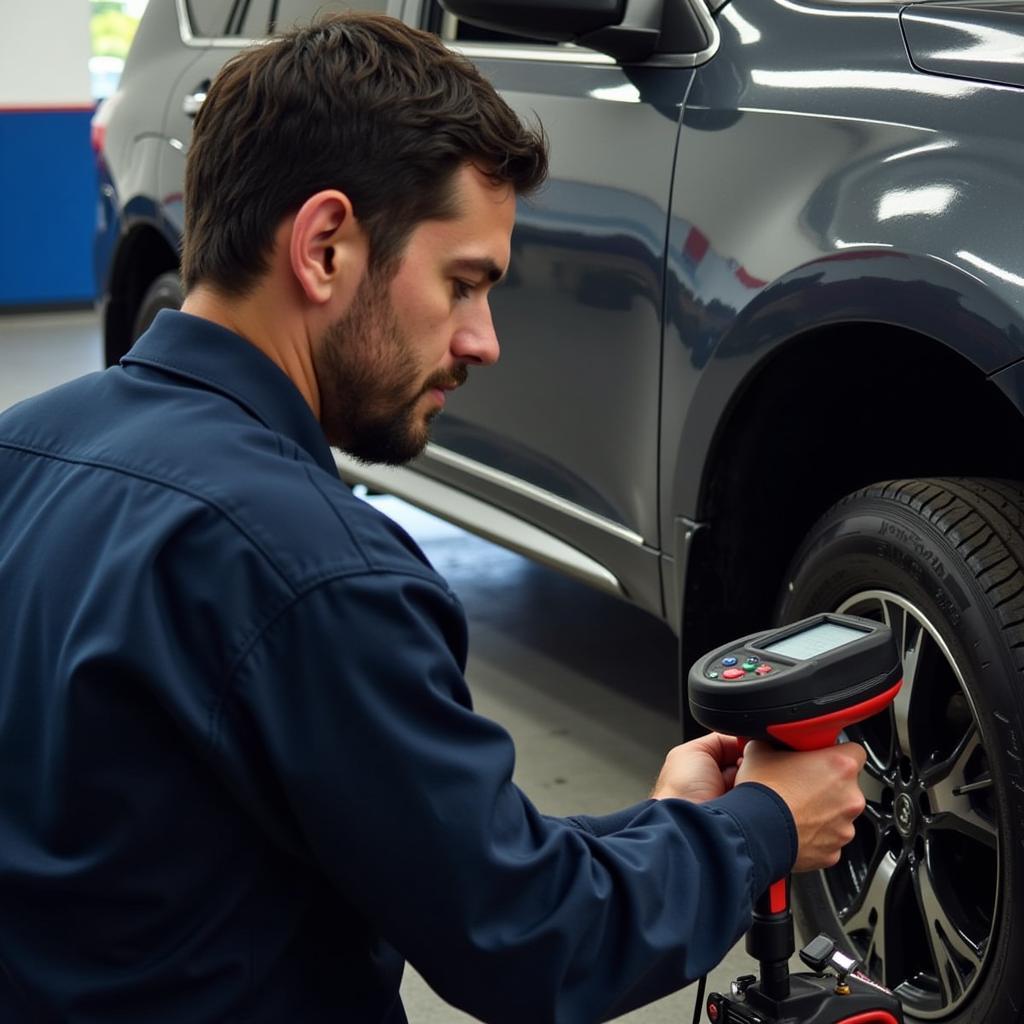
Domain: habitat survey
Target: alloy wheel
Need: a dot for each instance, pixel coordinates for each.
(916, 891)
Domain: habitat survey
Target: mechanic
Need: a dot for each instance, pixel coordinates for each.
(242, 777)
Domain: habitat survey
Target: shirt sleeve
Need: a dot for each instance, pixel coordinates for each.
(351, 724)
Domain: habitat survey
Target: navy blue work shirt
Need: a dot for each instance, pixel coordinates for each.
(241, 778)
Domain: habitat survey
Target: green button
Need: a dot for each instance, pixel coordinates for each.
(750, 665)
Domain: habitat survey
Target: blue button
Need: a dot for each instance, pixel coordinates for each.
(728, 662)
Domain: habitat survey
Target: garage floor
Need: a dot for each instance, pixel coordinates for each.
(584, 683)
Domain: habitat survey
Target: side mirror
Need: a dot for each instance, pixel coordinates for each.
(627, 30)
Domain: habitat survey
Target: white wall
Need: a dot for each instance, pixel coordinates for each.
(44, 53)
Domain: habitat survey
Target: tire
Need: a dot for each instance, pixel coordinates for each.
(930, 893)
(164, 293)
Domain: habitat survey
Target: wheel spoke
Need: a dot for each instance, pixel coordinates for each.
(893, 616)
(949, 793)
(901, 713)
(953, 767)
(873, 788)
(869, 915)
(910, 635)
(955, 957)
(871, 785)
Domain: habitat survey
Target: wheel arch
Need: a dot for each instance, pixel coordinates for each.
(787, 429)
(143, 254)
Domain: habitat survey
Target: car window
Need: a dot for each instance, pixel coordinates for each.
(208, 19)
(256, 19)
(251, 19)
(287, 13)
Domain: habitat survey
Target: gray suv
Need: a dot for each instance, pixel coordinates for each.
(763, 355)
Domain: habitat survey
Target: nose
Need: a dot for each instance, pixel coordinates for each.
(476, 341)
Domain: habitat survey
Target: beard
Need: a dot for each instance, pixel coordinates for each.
(370, 383)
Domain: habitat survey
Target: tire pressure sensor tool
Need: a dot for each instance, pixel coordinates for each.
(798, 686)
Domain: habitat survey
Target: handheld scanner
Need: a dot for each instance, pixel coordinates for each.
(798, 685)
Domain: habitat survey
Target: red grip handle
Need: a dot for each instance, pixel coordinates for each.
(778, 896)
(823, 731)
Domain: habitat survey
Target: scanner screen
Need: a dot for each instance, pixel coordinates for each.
(826, 636)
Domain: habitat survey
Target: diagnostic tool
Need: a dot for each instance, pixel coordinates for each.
(798, 686)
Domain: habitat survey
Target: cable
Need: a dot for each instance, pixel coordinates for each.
(698, 1004)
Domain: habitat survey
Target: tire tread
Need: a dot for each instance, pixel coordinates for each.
(983, 520)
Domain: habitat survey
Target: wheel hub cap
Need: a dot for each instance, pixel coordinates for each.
(904, 815)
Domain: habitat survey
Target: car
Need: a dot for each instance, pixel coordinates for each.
(763, 356)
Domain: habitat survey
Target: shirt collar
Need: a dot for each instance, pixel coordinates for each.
(200, 350)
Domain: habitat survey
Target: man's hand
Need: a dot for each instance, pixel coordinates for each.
(820, 787)
(821, 790)
(699, 770)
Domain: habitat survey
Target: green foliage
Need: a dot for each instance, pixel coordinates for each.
(112, 31)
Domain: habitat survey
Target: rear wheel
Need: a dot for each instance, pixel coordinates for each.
(929, 893)
(164, 293)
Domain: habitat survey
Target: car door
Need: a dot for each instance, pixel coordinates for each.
(213, 31)
(564, 431)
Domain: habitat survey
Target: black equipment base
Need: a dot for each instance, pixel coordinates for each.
(813, 999)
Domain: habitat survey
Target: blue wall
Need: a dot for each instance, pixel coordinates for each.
(47, 206)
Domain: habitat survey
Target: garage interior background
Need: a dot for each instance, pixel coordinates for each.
(47, 168)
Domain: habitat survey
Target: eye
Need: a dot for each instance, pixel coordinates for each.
(462, 289)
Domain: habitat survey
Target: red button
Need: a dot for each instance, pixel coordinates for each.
(712, 1010)
(763, 670)
(733, 673)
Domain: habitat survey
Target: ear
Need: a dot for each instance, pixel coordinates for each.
(327, 248)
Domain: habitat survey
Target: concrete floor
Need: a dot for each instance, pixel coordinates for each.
(584, 683)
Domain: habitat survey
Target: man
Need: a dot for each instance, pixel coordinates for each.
(242, 776)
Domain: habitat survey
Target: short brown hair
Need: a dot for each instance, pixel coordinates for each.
(361, 103)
